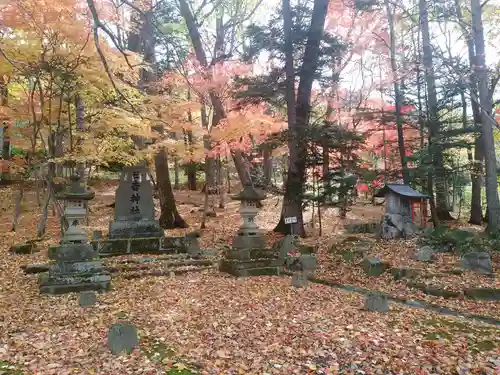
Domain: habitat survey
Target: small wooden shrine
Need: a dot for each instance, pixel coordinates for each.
(403, 200)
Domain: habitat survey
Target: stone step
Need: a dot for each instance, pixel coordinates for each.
(160, 264)
(167, 272)
(245, 272)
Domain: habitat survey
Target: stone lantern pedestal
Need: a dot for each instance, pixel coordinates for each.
(75, 263)
(248, 256)
(249, 235)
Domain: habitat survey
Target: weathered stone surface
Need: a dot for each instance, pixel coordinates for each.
(396, 226)
(180, 244)
(487, 294)
(299, 280)
(373, 266)
(433, 290)
(145, 245)
(77, 268)
(194, 247)
(286, 245)
(112, 246)
(122, 337)
(396, 220)
(24, 248)
(135, 229)
(369, 227)
(477, 261)
(72, 252)
(309, 263)
(425, 254)
(249, 242)
(388, 232)
(87, 299)
(73, 285)
(134, 196)
(80, 268)
(35, 268)
(376, 302)
(410, 229)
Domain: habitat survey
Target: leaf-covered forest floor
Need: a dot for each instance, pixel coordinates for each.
(222, 325)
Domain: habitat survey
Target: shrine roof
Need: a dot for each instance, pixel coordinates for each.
(402, 190)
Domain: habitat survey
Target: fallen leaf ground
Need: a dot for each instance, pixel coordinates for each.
(222, 325)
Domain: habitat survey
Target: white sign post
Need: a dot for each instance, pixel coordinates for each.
(291, 220)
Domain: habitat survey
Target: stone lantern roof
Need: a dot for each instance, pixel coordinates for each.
(76, 190)
(249, 193)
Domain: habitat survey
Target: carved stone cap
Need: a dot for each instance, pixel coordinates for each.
(76, 190)
(249, 193)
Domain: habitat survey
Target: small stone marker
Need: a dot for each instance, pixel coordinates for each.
(122, 337)
(287, 245)
(425, 254)
(299, 280)
(477, 261)
(376, 303)
(194, 247)
(309, 264)
(373, 266)
(87, 299)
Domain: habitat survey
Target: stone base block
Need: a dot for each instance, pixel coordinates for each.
(72, 252)
(135, 229)
(146, 245)
(249, 254)
(79, 268)
(249, 242)
(74, 284)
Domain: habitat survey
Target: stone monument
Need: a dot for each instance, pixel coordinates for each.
(249, 236)
(76, 264)
(134, 206)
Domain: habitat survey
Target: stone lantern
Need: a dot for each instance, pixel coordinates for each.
(249, 236)
(75, 210)
(75, 265)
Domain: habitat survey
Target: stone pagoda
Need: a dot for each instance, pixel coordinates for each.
(134, 206)
(75, 263)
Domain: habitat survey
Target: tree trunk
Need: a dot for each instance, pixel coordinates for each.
(4, 99)
(80, 127)
(397, 93)
(169, 217)
(476, 208)
(488, 123)
(191, 167)
(298, 124)
(177, 184)
(268, 166)
(218, 108)
(434, 126)
(145, 42)
(476, 211)
(291, 207)
(17, 209)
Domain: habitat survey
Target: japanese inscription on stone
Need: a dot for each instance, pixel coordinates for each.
(135, 197)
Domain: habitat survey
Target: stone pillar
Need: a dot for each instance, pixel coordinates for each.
(134, 206)
(76, 266)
